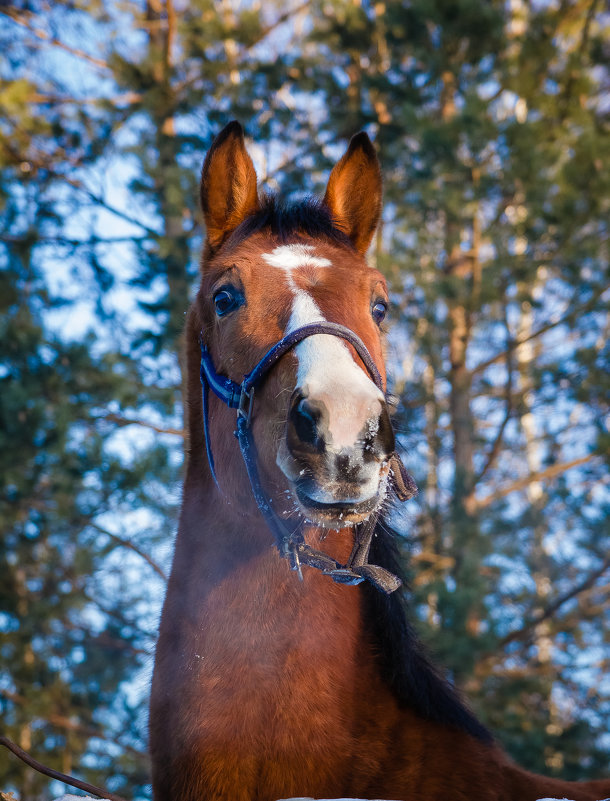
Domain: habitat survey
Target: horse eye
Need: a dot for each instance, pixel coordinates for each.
(379, 311)
(225, 300)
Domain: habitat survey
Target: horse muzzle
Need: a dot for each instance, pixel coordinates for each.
(336, 454)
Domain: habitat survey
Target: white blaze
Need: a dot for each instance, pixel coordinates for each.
(326, 369)
(291, 257)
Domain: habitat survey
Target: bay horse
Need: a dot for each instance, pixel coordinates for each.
(266, 686)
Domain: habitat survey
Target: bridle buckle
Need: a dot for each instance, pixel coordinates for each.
(246, 404)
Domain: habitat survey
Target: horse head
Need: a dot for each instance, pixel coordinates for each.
(322, 428)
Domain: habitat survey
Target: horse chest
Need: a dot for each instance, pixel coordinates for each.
(269, 685)
(265, 650)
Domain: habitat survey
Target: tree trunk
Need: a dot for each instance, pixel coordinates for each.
(174, 240)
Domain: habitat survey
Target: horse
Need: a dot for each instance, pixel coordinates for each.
(271, 682)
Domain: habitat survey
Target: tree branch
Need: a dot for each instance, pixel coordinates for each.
(115, 615)
(59, 240)
(126, 98)
(132, 547)
(569, 85)
(495, 448)
(550, 472)
(512, 346)
(586, 584)
(39, 33)
(62, 722)
(75, 184)
(128, 421)
(293, 12)
(106, 641)
(244, 53)
(48, 164)
(55, 774)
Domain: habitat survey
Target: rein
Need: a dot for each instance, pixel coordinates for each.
(291, 544)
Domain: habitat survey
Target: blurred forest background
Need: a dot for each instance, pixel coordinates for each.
(491, 122)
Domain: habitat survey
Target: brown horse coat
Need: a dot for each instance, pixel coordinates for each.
(265, 687)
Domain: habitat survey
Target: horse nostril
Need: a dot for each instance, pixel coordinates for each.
(379, 438)
(386, 432)
(305, 417)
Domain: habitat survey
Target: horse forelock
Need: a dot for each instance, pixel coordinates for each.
(285, 221)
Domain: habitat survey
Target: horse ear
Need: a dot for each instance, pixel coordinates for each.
(228, 185)
(353, 194)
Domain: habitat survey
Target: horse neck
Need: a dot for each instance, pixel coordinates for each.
(232, 540)
(243, 609)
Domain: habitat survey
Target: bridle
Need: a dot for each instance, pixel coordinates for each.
(291, 544)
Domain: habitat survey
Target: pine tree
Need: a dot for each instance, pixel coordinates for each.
(489, 123)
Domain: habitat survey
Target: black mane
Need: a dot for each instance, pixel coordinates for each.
(406, 667)
(285, 221)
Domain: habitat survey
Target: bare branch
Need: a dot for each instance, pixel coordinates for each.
(293, 12)
(55, 774)
(574, 311)
(125, 98)
(101, 202)
(62, 722)
(245, 51)
(39, 33)
(59, 240)
(132, 547)
(550, 472)
(106, 641)
(495, 448)
(549, 611)
(115, 614)
(128, 421)
(44, 162)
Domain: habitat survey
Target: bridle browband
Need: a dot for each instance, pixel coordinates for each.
(291, 544)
